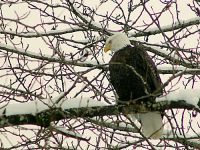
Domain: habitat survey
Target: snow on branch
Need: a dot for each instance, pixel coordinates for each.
(40, 34)
(190, 96)
(46, 57)
(175, 69)
(42, 113)
(38, 106)
(162, 70)
(67, 133)
(181, 24)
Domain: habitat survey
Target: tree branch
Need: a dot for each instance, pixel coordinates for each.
(168, 28)
(40, 34)
(55, 114)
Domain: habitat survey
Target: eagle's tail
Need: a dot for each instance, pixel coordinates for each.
(152, 125)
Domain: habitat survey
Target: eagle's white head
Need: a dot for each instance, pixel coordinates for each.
(116, 42)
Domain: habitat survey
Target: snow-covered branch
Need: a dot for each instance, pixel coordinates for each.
(162, 70)
(42, 113)
(40, 34)
(172, 70)
(43, 57)
(181, 24)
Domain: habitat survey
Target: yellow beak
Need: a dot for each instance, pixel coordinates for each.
(107, 47)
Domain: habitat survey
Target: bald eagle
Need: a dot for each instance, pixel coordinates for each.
(134, 77)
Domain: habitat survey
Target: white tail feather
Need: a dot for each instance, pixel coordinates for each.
(152, 125)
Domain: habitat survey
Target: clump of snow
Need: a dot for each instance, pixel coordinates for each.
(191, 96)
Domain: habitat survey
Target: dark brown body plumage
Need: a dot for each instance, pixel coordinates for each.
(133, 74)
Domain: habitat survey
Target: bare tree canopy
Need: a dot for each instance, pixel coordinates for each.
(55, 90)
